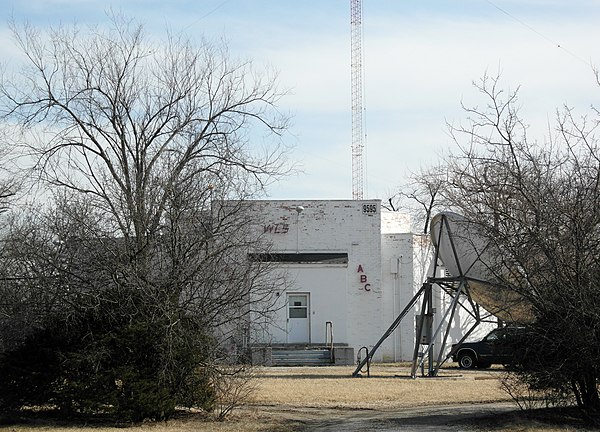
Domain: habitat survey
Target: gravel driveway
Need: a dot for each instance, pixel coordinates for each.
(420, 419)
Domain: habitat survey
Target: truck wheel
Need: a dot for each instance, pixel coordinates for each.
(466, 360)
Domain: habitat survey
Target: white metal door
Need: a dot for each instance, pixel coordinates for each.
(298, 318)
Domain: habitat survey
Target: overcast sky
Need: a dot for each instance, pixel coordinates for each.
(420, 58)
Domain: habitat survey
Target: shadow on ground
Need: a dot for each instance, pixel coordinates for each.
(484, 417)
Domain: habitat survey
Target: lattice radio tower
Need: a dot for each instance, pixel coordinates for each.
(358, 146)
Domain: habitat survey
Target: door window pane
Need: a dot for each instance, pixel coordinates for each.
(297, 312)
(298, 306)
(297, 300)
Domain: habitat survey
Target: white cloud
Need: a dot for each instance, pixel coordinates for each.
(420, 59)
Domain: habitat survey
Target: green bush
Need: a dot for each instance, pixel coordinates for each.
(131, 369)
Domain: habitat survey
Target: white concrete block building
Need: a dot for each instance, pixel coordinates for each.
(351, 264)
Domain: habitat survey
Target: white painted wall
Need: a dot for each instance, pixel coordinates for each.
(405, 259)
(386, 267)
(394, 222)
(350, 295)
(326, 285)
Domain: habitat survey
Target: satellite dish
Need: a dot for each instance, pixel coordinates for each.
(461, 247)
(466, 252)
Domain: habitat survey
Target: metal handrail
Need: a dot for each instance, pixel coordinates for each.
(329, 337)
(361, 363)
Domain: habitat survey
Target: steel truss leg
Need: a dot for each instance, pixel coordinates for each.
(451, 310)
(391, 329)
(426, 315)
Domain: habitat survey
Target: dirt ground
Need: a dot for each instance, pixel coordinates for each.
(328, 399)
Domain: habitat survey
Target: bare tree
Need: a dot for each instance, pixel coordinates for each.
(12, 172)
(421, 196)
(139, 143)
(539, 205)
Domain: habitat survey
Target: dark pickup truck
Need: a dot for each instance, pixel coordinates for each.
(495, 348)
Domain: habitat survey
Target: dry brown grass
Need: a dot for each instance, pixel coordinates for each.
(389, 386)
(284, 395)
(236, 424)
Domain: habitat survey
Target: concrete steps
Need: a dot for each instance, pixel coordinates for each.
(294, 356)
(302, 355)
